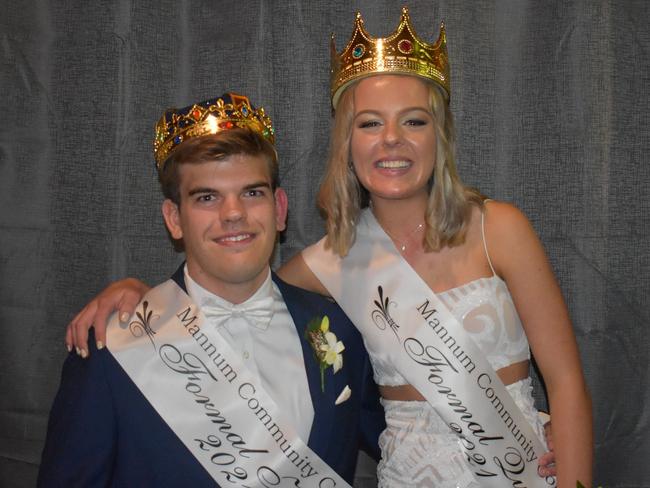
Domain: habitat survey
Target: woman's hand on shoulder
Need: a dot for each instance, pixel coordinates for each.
(123, 296)
(297, 273)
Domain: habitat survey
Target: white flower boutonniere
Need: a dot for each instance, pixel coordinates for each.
(327, 348)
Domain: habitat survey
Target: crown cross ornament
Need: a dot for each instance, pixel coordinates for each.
(227, 112)
(402, 52)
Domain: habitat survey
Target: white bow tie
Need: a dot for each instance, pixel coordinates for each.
(257, 313)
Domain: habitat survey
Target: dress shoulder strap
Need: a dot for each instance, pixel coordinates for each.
(487, 255)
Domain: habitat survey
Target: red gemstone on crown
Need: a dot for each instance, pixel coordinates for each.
(405, 46)
(196, 114)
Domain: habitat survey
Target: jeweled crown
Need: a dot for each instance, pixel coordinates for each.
(402, 52)
(210, 117)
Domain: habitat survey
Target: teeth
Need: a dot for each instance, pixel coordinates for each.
(236, 238)
(393, 164)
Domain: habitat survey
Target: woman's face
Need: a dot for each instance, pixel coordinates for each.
(393, 144)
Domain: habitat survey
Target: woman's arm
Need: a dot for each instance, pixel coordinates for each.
(519, 258)
(123, 296)
(297, 273)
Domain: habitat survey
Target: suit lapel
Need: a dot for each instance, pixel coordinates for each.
(323, 403)
(179, 277)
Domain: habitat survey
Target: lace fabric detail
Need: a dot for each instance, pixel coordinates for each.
(419, 450)
(485, 309)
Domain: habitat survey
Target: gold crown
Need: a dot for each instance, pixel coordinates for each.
(227, 112)
(402, 52)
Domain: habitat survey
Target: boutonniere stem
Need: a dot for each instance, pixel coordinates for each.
(327, 348)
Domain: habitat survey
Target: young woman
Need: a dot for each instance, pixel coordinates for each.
(391, 174)
(481, 258)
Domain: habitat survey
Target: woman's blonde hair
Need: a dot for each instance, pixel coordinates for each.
(341, 197)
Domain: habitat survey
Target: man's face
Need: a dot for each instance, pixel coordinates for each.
(228, 219)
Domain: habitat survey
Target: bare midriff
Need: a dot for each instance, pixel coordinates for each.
(509, 375)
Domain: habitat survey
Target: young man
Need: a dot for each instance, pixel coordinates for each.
(216, 380)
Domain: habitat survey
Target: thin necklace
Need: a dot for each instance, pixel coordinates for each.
(401, 245)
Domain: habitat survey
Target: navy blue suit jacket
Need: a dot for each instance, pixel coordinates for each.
(103, 432)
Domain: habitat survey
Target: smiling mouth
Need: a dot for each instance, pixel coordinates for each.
(396, 164)
(235, 238)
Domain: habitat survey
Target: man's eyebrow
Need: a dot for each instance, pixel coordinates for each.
(194, 191)
(250, 186)
(259, 184)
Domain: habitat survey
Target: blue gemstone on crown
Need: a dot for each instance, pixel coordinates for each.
(244, 111)
(358, 51)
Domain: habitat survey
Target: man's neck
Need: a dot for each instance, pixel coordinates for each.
(235, 293)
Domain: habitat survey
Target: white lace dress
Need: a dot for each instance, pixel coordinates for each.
(418, 449)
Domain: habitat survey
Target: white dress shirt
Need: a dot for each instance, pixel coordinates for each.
(273, 354)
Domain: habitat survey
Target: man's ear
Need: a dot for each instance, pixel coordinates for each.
(171, 214)
(281, 208)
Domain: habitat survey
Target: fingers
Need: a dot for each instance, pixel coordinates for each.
(122, 296)
(69, 333)
(546, 466)
(128, 303)
(548, 434)
(104, 309)
(125, 305)
(79, 328)
(103, 306)
(68, 337)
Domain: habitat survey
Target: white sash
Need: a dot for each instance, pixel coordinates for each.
(211, 401)
(403, 321)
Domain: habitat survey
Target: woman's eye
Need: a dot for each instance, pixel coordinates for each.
(368, 123)
(416, 122)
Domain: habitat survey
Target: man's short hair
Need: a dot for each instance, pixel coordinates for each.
(216, 147)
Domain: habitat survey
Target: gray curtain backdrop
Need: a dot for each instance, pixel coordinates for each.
(551, 103)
